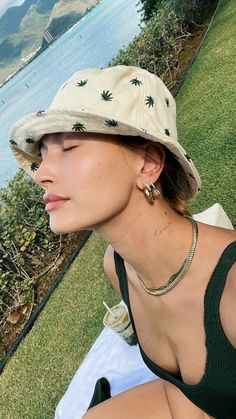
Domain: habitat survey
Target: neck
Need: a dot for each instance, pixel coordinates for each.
(154, 240)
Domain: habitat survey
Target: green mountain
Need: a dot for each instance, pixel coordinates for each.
(11, 19)
(66, 13)
(22, 29)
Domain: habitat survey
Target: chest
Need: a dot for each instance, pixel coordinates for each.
(172, 333)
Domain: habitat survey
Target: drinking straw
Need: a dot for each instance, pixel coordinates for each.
(108, 309)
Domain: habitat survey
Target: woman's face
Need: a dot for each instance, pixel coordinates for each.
(94, 173)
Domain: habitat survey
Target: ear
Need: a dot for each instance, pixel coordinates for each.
(153, 164)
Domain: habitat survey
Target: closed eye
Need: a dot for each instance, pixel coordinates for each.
(69, 148)
(64, 149)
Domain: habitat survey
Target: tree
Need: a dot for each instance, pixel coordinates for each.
(149, 8)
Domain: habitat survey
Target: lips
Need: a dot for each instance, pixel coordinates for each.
(52, 198)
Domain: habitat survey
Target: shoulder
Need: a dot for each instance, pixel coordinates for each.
(109, 268)
(213, 240)
(222, 233)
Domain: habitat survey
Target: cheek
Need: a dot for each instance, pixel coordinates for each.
(92, 172)
(106, 183)
(89, 175)
(99, 178)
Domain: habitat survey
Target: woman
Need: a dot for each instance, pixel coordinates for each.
(106, 153)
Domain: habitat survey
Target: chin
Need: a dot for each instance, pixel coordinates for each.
(60, 229)
(65, 229)
(67, 223)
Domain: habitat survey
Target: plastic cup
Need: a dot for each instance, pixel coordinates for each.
(120, 322)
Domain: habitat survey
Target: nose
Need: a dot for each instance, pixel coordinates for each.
(46, 172)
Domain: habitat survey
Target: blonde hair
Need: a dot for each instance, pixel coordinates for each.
(173, 180)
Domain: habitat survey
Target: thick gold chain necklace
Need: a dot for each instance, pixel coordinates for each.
(174, 279)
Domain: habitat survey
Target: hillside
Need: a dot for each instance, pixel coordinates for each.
(22, 28)
(67, 12)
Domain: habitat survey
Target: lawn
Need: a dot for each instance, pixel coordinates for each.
(206, 113)
(38, 374)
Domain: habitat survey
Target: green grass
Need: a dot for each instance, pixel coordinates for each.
(41, 370)
(206, 113)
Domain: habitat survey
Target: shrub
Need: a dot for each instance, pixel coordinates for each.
(28, 248)
(191, 9)
(156, 48)
(160, 42)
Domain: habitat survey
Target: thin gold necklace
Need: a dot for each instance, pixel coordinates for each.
(174, 279)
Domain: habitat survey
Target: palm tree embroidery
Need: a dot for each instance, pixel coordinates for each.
(82, 83)
(34, 166)
(40, 113)
(187, 157)
(106, 95)
(29, 141)
(149, 101)
(111, 123)
(190, 174)
(136, 81)
(167, 132)
(13, 143)
(78, 127)
(167, 102)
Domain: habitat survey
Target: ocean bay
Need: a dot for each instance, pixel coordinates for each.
(92, 42)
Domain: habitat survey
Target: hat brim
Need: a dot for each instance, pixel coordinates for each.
(25, 134)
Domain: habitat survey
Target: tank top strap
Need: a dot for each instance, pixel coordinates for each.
(121, 273)
(214, 290)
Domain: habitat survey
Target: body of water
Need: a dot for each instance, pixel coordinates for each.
(92, 42)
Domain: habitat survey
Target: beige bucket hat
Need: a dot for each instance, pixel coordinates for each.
(122, 100)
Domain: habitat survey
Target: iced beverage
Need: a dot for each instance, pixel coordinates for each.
(120, 322)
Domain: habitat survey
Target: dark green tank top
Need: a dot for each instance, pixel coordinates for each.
(215, 394)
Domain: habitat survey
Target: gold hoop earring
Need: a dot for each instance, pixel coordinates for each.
(151, 192)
